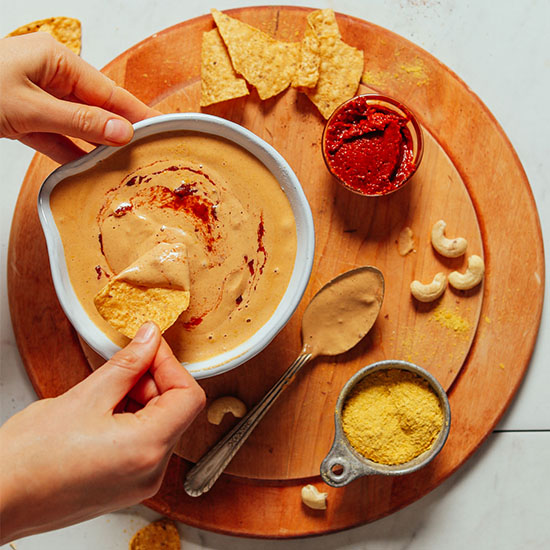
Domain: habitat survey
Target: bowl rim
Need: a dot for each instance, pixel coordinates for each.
(394, 103)
(211, 125)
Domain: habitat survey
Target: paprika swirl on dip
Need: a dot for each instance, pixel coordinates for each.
(372, 144)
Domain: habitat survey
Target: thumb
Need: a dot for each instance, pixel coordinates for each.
(111, 382)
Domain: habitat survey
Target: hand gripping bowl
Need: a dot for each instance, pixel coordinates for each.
(210, 125)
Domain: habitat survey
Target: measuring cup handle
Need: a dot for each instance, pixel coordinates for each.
(339, 467)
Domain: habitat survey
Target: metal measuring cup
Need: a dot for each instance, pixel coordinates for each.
(344, 464)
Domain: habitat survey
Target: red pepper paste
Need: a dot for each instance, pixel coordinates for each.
(369, 147)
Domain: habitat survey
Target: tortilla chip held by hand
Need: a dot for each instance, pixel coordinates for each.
(153, 288)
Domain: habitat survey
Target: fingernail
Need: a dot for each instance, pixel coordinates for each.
(118, 131)
(145, 332)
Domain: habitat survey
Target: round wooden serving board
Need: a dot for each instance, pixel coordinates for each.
(478, 344)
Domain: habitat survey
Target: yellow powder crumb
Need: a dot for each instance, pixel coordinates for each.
(487, 320)
(392, 416)
(414, 71)
(501, 365)
(451, 320)
(375, 78)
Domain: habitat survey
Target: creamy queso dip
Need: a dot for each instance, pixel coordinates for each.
(201, 191)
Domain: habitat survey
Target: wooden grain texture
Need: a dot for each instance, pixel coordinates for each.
(471, 177)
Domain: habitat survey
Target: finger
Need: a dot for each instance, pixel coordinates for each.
(63, 73)
(168, 372)
(122, 105)
(121, 407)
(46, 113)
(132, 406)
(109, 384)
(59, 148)
(180, 399)
(144, 390)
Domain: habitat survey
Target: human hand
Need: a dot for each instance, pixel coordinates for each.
(48, 92)
(82, 454)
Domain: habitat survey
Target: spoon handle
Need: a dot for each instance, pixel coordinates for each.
(209, 468)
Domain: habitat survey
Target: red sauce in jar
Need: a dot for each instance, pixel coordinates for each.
(369, 147)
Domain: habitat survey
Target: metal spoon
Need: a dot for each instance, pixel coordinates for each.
(352, 312)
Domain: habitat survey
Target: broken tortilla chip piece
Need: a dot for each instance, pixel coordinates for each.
(66, 30)
(340, 68)
(307, 70)
(126, 306)
(219, 81)
(159, 535)
(153, 288)
(267, 64)
(324, 23)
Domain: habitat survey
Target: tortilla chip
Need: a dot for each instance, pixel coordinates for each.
(159, 535)
(307, 71)
(64, 29)
(323, 22)
(219, 81)
(340, 69)
(126, 306)
(268, 64)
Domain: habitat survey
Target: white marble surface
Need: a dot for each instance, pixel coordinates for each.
(501, 497)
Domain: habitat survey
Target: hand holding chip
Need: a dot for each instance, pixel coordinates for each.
(84, 453)
(48, 92)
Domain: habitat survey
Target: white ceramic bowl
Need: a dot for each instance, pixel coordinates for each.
(212, 125)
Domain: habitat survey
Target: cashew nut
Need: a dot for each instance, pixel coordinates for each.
(431, 291)
(450, 248)
(471, 277)
(313, 498)
(227, 404)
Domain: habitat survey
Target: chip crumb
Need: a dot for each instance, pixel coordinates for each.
(405, 241)
(66, 30)
(159, 535)
(219, 81)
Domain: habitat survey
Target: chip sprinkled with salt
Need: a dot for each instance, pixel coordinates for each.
(267, 64)
(66, 30)
(219, 81)
(341, 65)
(307, 71)
(324, 23)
